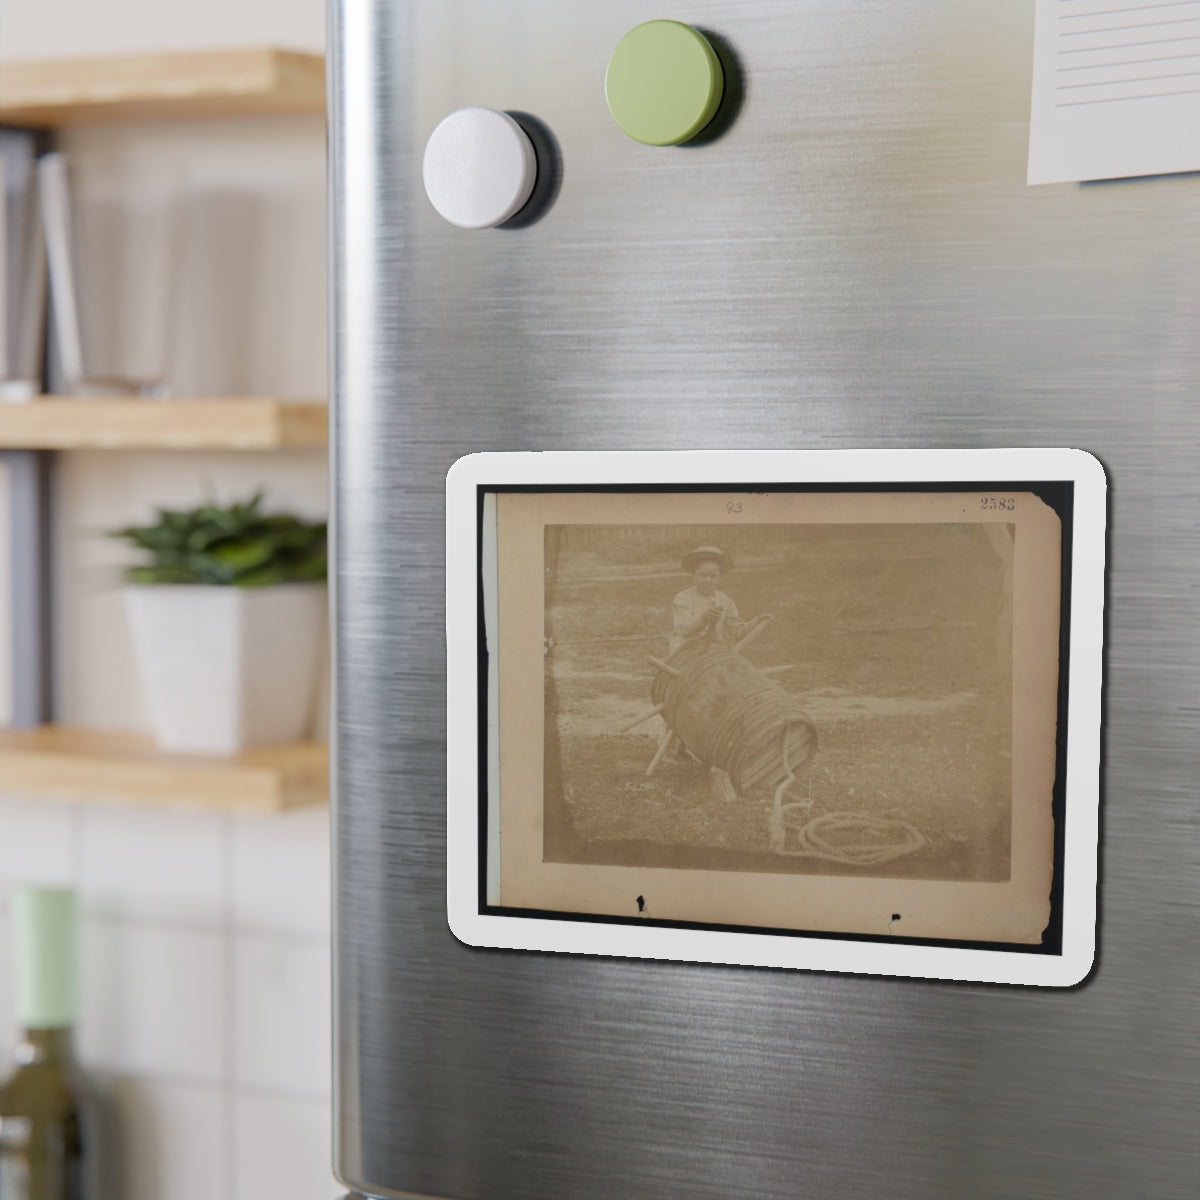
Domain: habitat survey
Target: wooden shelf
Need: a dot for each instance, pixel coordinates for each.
(79, 764)
(228, 423)
(216, 83)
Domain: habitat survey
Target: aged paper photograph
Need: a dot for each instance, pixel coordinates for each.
(823, 712)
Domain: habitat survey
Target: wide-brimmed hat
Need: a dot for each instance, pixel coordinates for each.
(707, 554)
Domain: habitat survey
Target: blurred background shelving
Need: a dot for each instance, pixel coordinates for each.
(212, 423)
(227, 87)
(147, 87)
(86, 765)
(205, 940)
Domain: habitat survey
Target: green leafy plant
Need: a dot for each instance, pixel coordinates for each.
(238, 546)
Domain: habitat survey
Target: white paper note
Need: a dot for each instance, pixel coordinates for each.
(1116, 89)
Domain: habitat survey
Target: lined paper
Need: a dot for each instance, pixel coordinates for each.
(1116, 89)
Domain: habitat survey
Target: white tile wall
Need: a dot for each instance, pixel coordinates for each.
(155, 864)
(282, 1015)
(282, 1150)
(171, 1142)
(205, 976)
(38, 843)
(156, 1000)
(293, 895)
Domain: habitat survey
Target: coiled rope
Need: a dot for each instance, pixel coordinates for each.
(879, 839)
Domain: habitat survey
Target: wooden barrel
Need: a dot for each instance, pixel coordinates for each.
(732, 716)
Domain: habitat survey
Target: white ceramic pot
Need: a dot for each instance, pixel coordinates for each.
(227, 668)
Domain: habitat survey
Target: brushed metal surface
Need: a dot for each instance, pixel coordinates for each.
(855, 262)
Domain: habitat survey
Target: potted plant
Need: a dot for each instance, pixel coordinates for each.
(228, 622)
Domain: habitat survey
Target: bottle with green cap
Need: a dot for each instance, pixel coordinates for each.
(42, 1108)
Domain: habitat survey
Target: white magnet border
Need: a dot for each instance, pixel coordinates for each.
(722, 468)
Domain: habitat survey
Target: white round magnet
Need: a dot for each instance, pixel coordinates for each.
(479, 168)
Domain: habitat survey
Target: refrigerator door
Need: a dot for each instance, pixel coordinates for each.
(851, 258)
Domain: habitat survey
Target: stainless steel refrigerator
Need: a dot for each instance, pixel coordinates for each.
(847, 256)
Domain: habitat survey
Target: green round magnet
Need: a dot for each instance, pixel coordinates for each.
(664, 83)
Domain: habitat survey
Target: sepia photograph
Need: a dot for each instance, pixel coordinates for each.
(796, 706)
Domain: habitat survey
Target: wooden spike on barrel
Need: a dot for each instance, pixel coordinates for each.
(667, 739)
(662, 666)
(737, 649)
(644, 717)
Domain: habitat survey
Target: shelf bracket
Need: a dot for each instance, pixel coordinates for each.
(29, 475)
